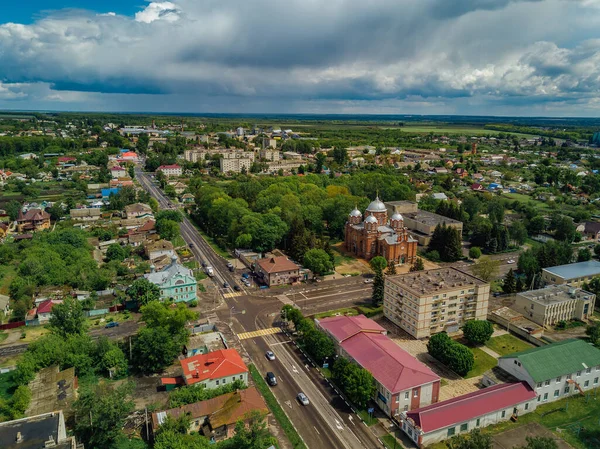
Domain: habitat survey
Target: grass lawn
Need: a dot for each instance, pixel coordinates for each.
(11, 360)
(3, 336)
(340, 258)
(178, 241)
(32, 333)
(366, 418)
(507, 344)
(579, 411)
(370, 310)
(527, 199)
(326, 372)
(7, 274)
(346, 311)
(390, 442)
(276, 409)
(483, 362)
(7, 386)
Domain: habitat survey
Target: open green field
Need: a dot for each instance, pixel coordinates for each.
(483, 362)
(527, 199)
(448, 129)
(507, 344)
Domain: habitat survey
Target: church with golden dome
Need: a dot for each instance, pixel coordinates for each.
(375, 235)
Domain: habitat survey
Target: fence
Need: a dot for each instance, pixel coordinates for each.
(97, 312)
(203, 328)
(12, 325)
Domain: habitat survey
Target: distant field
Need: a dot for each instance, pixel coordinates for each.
(455, 130)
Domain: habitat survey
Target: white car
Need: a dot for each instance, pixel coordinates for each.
(270, 355)
(303, 399)
(510, 261)
(368, 281)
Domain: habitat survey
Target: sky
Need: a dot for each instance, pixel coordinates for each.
(475, 57)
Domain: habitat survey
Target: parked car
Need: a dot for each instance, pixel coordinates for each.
(225, 284)
(510, 261)
(111, 324)
(270, 355)
(191, 245)
(271, 379)
(368, 281)
(302, 399)
(203, 264)
(230, 266)
(245, 275)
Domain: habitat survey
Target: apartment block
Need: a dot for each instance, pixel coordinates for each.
(270, 155)
(555, 303)
(236, 165)
(424, 303)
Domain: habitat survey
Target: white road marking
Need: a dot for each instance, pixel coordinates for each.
(351, 420)
(338, 425)
(289, 403)
(281, 343)
(318, 433)
(294, 369)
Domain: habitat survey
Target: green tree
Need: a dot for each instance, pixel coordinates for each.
(510, 283)
(473, 440)
(12, 209)
(19, 402)
(292, 314)
(537, 225)
(474, 252)
(319, 161)
(593, 332)
(116, 252)
(456, 356)
(518, 232)
(447, 241)
(253, 436)
(392, 268)
(539, 443)
(356, 382)
(56, 211)
(100, 414)
(477, 332)
(486, 268)
(317, 261)
(564, 229)
(167, 229)
(378, 263)
(318, 345)
(68, 318)
(418, 265)
(143, 291)
(584, 255)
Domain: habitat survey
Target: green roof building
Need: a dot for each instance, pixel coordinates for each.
(556, 370)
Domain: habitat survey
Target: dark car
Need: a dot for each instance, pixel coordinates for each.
(111, 324)
(271, 379)
(191, 245)
(236, 287)
(225, 284)
(203, 264)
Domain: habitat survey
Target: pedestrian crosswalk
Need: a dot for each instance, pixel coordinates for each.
(232, 294)
(259, 333)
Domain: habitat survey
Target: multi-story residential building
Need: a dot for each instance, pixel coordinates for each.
(277, 270)
(237, 164)
(403, 383)
(554, 303)
(378, 236)
(175, 282)
(270, 155)
(573, 274)
(170, 170)
(556, 370)
(214, 369)
(269, 143)
(285, 165)
(39, 431)
(424, 303)
(118, 172)
(462, 414)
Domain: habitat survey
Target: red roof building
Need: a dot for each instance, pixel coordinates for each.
(170, 170)
(464, 413)
(277, 270)
(214, 368)
(403, 383)
(341, 328)
(476, 187)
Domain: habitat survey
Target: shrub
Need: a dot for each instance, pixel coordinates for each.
(457, 357)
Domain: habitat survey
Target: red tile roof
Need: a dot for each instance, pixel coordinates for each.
(214, 365)
(471, 406)
(46, 306)
(277, 264)
(162, 167)
(344, 327)
(389, 364)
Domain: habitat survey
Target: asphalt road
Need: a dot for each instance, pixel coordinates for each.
(319, 424)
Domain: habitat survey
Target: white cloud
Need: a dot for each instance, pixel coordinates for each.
(158, 11)
(425, 53)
